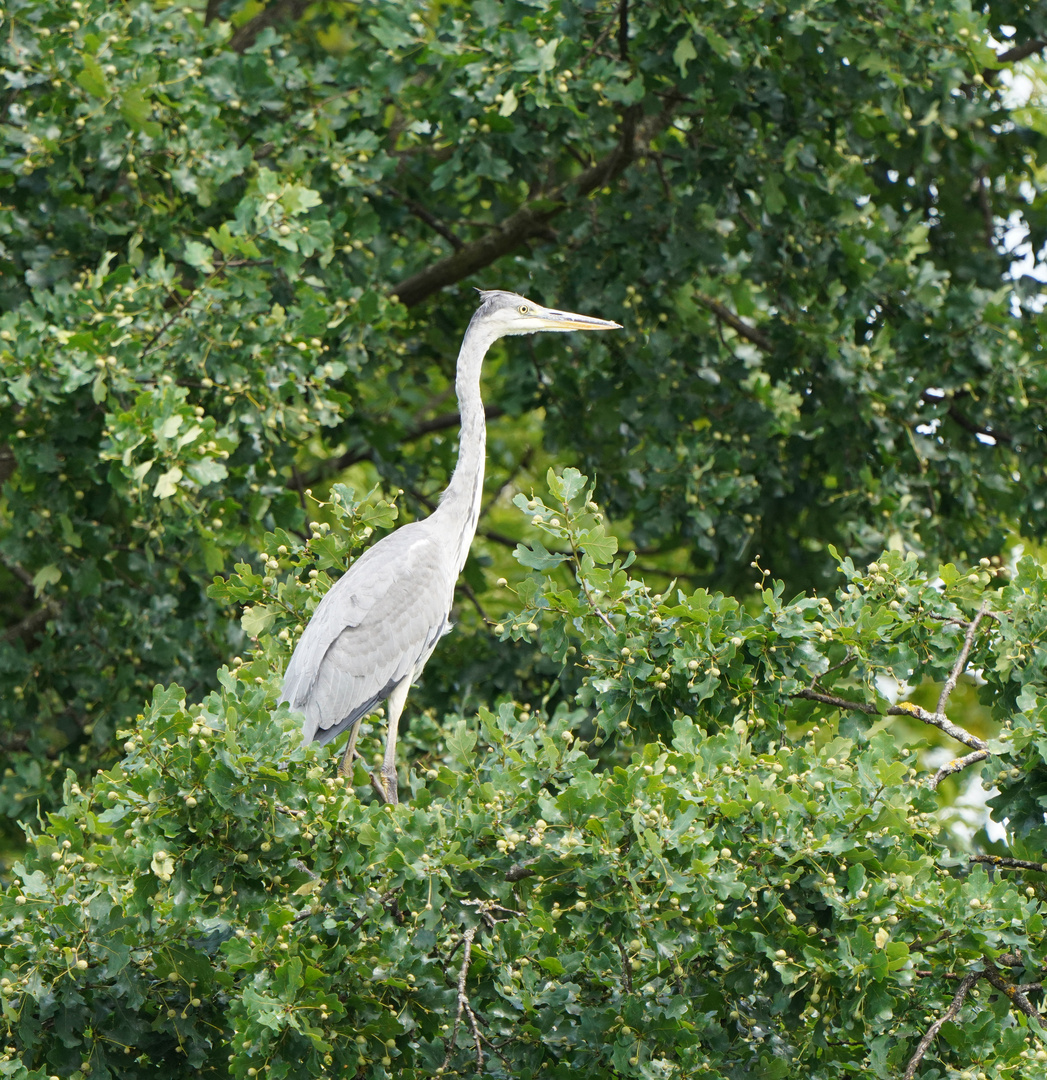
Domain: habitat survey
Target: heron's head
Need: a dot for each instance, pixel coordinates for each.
(504, 313)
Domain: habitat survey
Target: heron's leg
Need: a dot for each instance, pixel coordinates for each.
(346, 768)
(395, 706)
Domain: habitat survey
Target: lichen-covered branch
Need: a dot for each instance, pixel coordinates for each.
(958, 765)
(1002, 863)
(1012, 991)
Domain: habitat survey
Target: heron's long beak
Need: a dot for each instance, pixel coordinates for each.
(551, 319)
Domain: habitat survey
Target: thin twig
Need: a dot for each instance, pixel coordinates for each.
(385, 898)
(423, 427)
(837, 702)
(601, 38)
(961, 661)
(467, 591)
(627, 974)
(463, 1000)
(425, 215)
(957, 1002)
(985, 205)
(524, 463)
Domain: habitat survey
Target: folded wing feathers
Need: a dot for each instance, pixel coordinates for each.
(377, 625)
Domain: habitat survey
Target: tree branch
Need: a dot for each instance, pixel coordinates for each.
(1003, 863)
(941, 722)
(936, 719)
(531, 219)
(968, 425)
(423, 427)
(1012, 56)
(280, 11)
(837, 702)
(25, 628)
(961, 664)
(49, 608)
(423, 214)
(740, 326)
(486, 909)
(1013, 994)
(957, 1002)
(958, 765)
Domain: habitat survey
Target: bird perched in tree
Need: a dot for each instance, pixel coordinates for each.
(376, 628)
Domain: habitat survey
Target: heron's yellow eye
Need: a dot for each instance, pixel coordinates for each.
(524, 309)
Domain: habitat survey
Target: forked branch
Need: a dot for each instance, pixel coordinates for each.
(1014, 992)
(936, 719)
(957, 1003)
(489, 913)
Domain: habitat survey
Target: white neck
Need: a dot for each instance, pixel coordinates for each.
(460, 503)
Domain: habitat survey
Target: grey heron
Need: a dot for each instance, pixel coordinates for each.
(375, 629)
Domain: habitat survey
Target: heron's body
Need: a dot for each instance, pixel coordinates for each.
(376, 628)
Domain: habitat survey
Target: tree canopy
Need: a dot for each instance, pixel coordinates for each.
(683, 779)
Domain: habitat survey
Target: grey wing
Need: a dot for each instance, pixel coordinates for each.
(376, 626)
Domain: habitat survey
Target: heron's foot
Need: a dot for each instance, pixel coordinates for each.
(390, 784)
(385, 789)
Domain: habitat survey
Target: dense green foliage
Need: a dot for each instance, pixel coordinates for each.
(650, 831)
(762, 892)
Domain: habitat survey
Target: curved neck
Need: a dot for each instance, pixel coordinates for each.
(460, 502)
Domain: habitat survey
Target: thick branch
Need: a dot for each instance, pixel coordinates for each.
(280, 11)
(962, 421)
(957, 1002)
(1012, 56)
(28, 626)
(941, 722)
(18, 570)
(740, 326)
(36, 619)
(532, 218)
